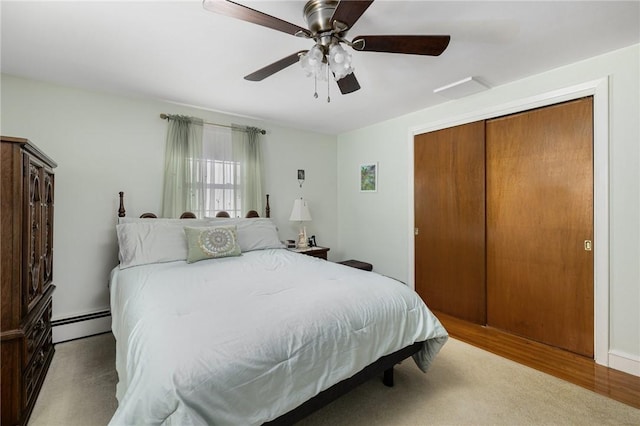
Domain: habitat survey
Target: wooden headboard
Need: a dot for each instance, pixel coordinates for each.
(190, 215)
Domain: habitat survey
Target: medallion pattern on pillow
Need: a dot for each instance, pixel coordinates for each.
(217, 240)
(211, 242)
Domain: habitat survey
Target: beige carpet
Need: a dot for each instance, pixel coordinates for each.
(465, 386)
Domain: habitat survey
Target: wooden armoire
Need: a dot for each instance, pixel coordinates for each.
(504, 209)
(26, 275)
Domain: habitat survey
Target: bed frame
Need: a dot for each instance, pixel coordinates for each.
(189, 215)
(383, 366)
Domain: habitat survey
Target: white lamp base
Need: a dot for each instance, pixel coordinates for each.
(302, 238)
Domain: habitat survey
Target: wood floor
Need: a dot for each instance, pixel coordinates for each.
(565, 365)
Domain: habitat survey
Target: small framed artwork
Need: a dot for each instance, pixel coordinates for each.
(369, 177)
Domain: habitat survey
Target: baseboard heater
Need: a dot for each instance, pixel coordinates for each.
(79, 318)
(79, 326)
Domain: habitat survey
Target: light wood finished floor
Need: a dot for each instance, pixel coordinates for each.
(565, 365)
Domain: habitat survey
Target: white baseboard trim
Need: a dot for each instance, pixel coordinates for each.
(81, 326)
(625, 362)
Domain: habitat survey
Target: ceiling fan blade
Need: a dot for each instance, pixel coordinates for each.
(348, 12)
(244, 13)
(348, 84)
(432, 45)
(273, 68)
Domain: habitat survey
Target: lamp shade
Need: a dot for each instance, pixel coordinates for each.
(300, 211)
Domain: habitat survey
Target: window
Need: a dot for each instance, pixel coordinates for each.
(210, 168)
(217, 174)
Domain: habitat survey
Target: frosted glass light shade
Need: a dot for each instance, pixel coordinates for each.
(313, 63)
(300, 211)
(339, 61)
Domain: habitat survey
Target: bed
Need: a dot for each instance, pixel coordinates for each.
(264, 336)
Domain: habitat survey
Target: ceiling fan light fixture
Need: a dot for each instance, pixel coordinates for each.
(313, 63)
(339, 61)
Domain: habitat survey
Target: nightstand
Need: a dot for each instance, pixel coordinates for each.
(320, 252)
(357, 264)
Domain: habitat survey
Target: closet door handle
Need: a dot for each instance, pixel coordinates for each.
(587, 245)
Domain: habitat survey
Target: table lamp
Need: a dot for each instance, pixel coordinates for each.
(300, 213)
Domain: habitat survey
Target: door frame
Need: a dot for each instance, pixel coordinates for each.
(599, 89)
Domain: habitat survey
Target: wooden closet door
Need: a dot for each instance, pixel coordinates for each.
(539, 214)
(450, 219)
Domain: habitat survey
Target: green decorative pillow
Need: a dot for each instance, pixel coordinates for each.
(211, 242)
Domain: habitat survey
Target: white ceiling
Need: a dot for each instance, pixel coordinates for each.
(179, 52)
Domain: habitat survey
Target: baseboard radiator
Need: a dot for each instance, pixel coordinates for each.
(79, 326)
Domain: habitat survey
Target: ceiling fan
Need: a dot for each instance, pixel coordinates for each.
(328, 22)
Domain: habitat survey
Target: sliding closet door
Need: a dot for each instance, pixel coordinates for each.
(540, 225)
(450, 220)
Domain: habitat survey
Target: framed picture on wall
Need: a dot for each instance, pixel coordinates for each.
(369, 177)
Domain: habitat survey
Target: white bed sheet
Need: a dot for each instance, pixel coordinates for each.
(243, 340)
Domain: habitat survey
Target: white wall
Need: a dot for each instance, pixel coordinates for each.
(105, 143)
(375, 227)
(316, 155)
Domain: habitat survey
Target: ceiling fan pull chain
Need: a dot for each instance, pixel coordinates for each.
(315, 86)
(328, 86)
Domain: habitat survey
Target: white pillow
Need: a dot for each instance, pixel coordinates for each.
(253, 233)
(143, 241)
(153, 241)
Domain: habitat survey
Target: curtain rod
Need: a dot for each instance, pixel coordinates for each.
(263, 132)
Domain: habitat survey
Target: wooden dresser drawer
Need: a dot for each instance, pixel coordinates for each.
(36, 332)
(35, 372)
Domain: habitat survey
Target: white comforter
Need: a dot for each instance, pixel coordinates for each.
(243, 340)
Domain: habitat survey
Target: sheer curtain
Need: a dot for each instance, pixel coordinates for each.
(209, 168)
(246, 152)
(222, 190)
(183, 146)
